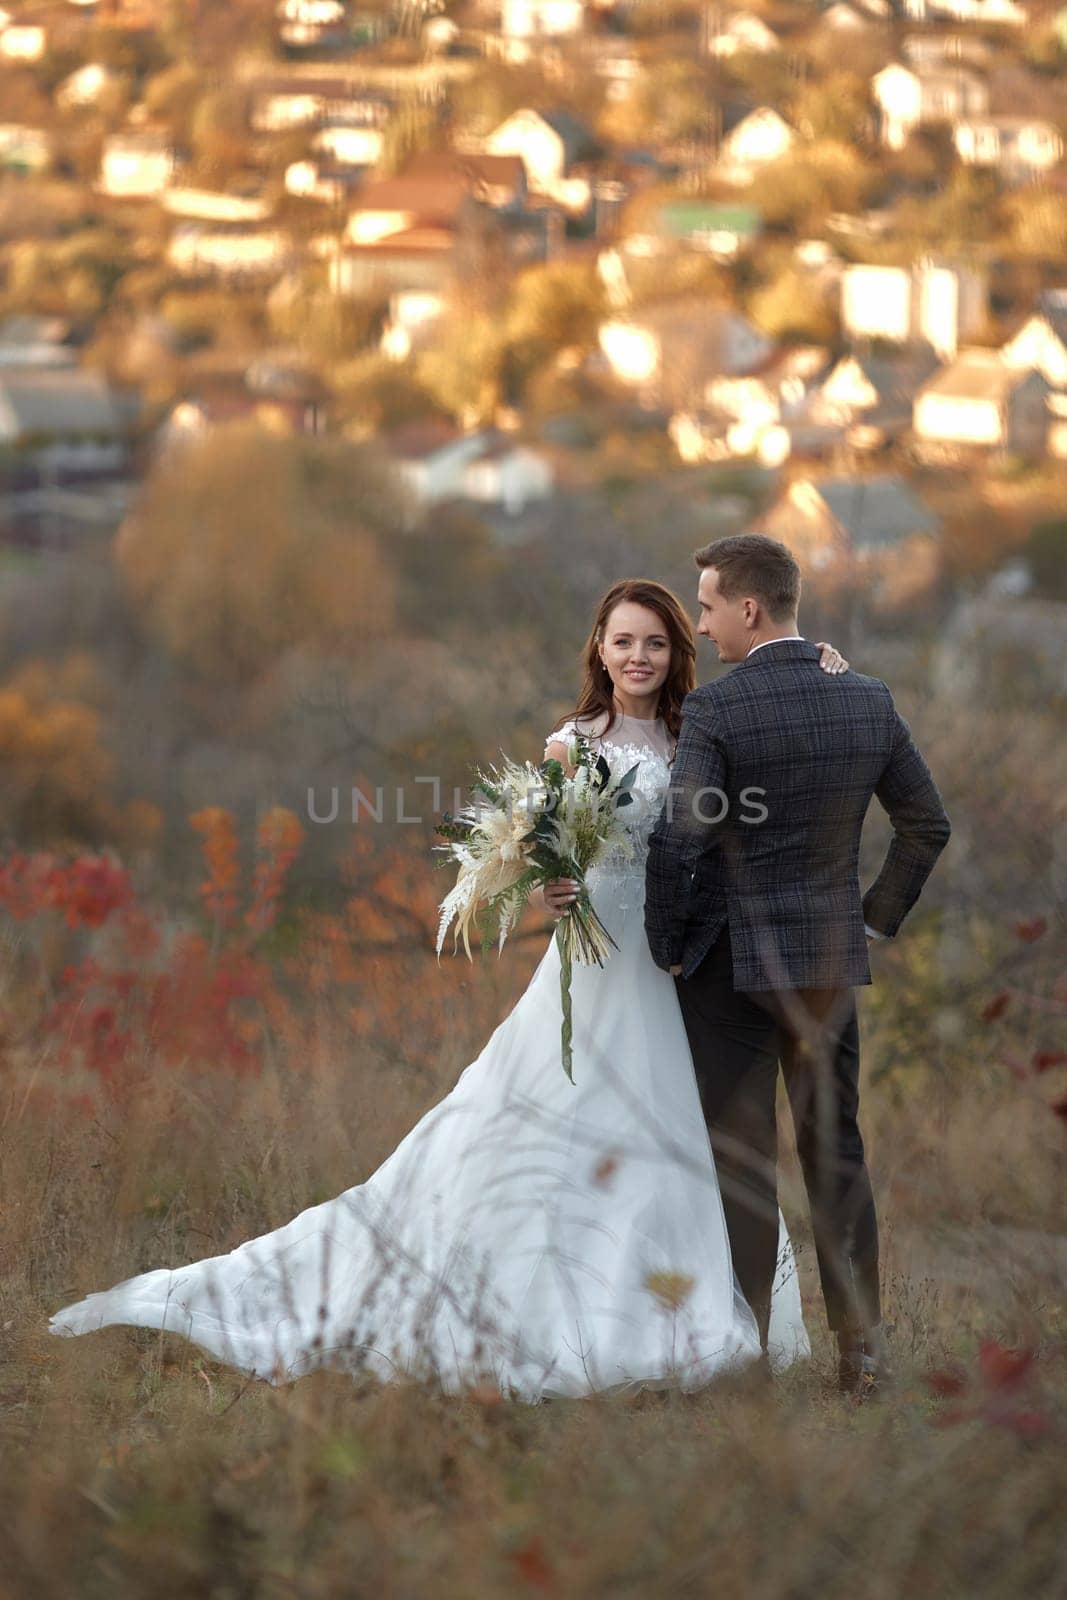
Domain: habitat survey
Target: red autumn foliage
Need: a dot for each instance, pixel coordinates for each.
(532, 1564)
(1029, 932)
(994, 1009)
(990, 1394)
(86, 890)
(146, 997)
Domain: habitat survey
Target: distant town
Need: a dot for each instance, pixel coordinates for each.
(822, 248)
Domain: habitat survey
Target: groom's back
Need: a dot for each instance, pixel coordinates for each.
(799, 754)
(816, 743)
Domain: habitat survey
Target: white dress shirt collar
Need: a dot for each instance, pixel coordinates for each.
(784, 636)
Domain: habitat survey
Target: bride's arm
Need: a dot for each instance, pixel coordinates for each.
(557, 896)
(556, 750)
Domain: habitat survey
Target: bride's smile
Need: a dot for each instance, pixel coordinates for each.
(636, 654)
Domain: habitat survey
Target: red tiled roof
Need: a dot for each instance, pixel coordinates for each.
(438, 164)
(416, 440)
(431, 199)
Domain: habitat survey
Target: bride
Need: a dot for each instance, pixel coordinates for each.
(553, 1239)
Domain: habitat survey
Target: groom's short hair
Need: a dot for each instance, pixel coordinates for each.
(752, 564)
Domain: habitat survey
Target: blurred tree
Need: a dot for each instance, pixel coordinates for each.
(559, 305)
(76, 275)
(245, 545)
(629, 120)
(792, 306)
(1043, 51)
(768, 78)
(834, 107)
(1046, 554)
(58, 771)
(138, 51)
(376, 394)
(679, 99)
(326, 326)
(959, 213)
(482, 101)
(1039, 224)
(219, 136)
(206, 316)
(172, 96)
(412, 128)
(801, 190)
(465, 369)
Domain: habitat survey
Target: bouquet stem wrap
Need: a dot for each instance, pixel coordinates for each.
(582, 936)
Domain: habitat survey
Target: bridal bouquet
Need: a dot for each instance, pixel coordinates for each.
(525, 826)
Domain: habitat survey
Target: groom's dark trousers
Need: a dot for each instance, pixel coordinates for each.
(738, 1041)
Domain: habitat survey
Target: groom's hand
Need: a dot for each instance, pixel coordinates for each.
(675, 972)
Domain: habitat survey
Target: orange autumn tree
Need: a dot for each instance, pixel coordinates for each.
(246, 544)
(58, 772)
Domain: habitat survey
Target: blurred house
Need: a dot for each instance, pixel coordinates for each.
(674, 350)
(759, 139)
(234, 252)
(844, 18)
(998, 13)
(275, 397)
(1040, 345)
(216, 205)
(873, 396)
(309, 22)
(440, 462)
(24, 149)
(509, 475)
(738, 32)
(925, 97)
(868, 533)
(946, 50)
(494, 180)
(298, 100)
(325, 181)
(762, 414)
(614, 59)
(524, 23)
(405, 233)
(64, 424)
(980, 403)
(1019, 148)
(30, 340)
(939, 302)
(138, 164)
(25, 38)
(350, 133)
(411, 322)
(549, 143)
(86, 85)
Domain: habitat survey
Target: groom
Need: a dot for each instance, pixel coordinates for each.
(754, 905)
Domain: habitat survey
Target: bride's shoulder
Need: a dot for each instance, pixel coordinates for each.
(592, 725)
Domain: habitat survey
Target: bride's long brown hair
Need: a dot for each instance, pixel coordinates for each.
(597, 691)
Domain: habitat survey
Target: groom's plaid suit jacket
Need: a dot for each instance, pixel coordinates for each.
(819, 745)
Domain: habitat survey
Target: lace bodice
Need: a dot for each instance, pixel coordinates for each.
(630, 741)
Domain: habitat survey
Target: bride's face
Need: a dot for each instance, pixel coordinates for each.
(636, 649)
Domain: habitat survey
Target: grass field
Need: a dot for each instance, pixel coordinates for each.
(134, 1465)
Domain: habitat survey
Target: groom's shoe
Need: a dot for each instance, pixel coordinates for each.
(863, 1363)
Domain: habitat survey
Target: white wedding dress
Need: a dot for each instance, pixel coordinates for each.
(555, 1239)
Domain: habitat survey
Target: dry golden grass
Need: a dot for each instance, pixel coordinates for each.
(134, 1465)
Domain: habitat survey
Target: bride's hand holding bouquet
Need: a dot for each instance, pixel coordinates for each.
(525, 828)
